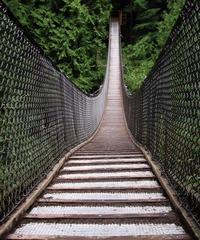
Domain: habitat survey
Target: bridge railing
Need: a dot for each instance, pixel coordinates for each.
(164, 113)
(42, 114)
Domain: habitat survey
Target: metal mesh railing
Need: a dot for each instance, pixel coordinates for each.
(42, 114)
(164, 114)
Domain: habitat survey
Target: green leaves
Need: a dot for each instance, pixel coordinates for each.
(169, 19)
(141, 4)
(151, 27)
(72, 33)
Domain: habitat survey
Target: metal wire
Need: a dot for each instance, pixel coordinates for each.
(42, 114)
(164, 114)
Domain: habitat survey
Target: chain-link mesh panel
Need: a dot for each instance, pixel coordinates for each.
(42, 114)
(164, 114)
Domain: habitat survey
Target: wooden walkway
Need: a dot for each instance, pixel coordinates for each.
(106, 190)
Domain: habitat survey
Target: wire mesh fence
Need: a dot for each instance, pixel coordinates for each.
(164, 114)
(42, 114)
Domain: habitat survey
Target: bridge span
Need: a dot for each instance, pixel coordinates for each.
(106, 189)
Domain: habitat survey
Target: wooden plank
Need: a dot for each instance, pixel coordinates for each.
(98, 162)
(103, 201)
(168, 216)
(60, 179)
(104, 170)
(140, 188)
(134, 159)
(105, 156)
(141, 237)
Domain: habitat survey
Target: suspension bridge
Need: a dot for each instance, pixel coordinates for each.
(106, 166)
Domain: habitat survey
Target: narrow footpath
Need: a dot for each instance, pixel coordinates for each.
(106, 190)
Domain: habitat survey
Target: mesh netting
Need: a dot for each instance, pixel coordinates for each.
(164, 114)
(42, 114)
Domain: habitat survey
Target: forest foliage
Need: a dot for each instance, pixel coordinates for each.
(152, 24)
(73, 33)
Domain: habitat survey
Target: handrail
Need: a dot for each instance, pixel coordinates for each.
(42, 114)
(163, 114)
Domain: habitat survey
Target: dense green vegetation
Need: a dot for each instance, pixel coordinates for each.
(151, 24)
(72, 32)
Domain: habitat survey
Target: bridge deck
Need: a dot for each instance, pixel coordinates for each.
(106, 190)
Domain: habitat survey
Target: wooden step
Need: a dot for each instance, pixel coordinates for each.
(107, 201)
(159, 216)
(107, 175)
(71, 231)
(102, 167)
(103, 196)
(116, 156)
(58, 237)
(109, 185)
(102, 212)
(106, 161)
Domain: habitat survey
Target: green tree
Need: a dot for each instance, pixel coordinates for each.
(151, 27)
(71, 32)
